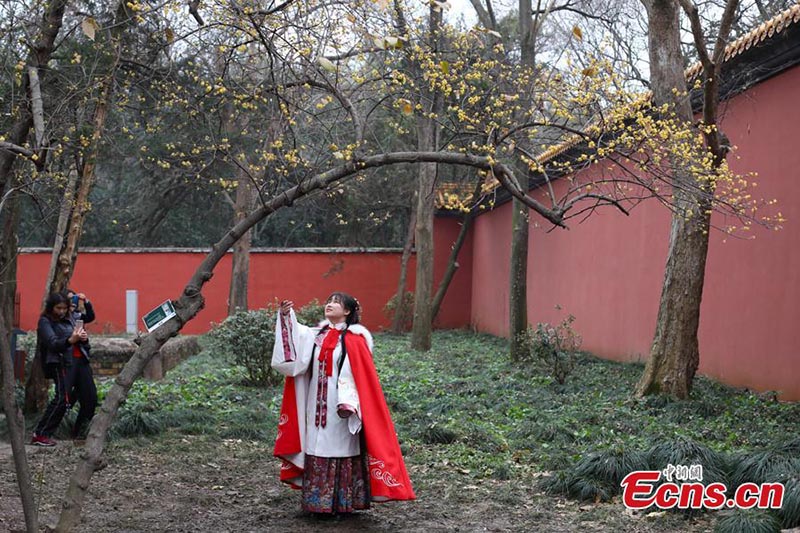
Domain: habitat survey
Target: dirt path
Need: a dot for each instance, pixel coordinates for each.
(191, 484)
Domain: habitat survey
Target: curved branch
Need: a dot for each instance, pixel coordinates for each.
(728, 17)
(520, 127)
(355, 52)
(358, 124)
(550, 190)
(191, 300)
(600, 197)
(697, 33)
(15, 149)
(567, 7)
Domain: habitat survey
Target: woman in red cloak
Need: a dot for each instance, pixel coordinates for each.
(347, 456)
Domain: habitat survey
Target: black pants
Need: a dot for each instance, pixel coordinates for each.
(73, 383)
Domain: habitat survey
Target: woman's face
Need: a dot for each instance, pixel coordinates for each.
(60, 310)
(335, 311)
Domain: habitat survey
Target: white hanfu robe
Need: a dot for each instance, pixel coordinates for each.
(296, 354)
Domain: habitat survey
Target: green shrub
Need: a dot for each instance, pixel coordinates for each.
(436, 433)
(763, 467)
(778, 464)
(687, 452)
(246, 338)
(136, 422)
(790, 511)
(311, 313)
(555, 347)
(748, 521)
(596, 476)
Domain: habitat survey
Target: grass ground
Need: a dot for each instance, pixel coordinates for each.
(479, 433)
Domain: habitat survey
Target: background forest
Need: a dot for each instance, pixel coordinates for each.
(190, 115)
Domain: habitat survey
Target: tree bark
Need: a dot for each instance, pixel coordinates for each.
(518, 282)
(22, 116)
(427, 131)
(67, 203)
(240, 268)
(422, 327)
(14, 418)
(16, 429)
(674, 354)
(8, 257)
(400, 308)
(527, 34)
(518, 275)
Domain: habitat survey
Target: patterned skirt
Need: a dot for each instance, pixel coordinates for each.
(335, 484)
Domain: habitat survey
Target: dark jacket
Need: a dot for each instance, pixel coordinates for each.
(52, 339)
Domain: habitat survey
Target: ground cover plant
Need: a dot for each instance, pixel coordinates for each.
(489, 444)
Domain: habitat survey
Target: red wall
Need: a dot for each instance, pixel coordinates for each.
(457, 303)
(608, 270)
(300, 276)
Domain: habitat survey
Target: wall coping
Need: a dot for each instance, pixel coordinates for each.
(145, 250)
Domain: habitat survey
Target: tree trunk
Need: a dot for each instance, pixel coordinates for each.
(14, 418)
(16, 429)
(8, 278)
(518, 284)
(245, 201)
(674, 354)
(240, 268)
(8, 256)
(518, 276)
(22, 114)
(527, 34)
(400, 311)
(400, 308)
(452, 265)
(421, 330)
(67, 203)
(18, 134)
(69, 254)
(427, 132)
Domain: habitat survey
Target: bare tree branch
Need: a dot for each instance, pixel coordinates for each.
(15, 149)
(697, 33)
(37, 108)
(193, 6)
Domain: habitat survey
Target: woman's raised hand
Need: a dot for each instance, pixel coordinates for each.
(286, 306)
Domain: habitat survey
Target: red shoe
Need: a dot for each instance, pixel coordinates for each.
(41, 440)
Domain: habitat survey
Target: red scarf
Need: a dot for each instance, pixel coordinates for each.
(326, 352)
(387, 471)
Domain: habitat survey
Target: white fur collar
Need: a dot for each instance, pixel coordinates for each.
(358, 329)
